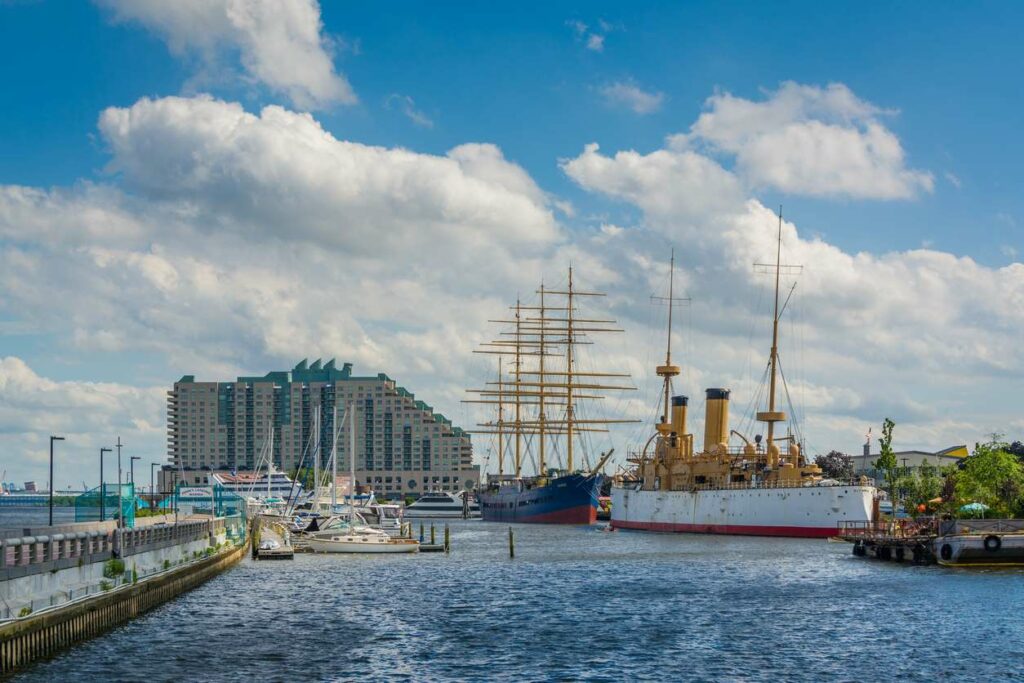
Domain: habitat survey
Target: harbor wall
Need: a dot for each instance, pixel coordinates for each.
(42, 634)
(43, 571)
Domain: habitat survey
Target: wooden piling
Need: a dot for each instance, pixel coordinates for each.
(511, 544)
(447, 539)
(421, 532)
(433, 540)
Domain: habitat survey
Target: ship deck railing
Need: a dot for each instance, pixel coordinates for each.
(786, 484)
(949, 527)
(907, 529)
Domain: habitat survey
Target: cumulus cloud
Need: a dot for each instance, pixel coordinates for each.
(230, 242)
(808, 140)
(628, 94)
(87, 414)
(279, 44)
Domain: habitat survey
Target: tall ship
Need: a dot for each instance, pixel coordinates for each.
(543, 410)
(757, 488)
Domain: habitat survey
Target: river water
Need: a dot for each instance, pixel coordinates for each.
(575, 604)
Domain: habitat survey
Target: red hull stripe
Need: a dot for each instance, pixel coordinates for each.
(730, 529)
(581, 514)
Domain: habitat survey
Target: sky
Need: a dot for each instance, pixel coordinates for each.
(226, 187)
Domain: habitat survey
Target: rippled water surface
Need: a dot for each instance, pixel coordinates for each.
(575, 604)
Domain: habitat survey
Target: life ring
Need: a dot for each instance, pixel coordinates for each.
(946, 552)
(993, 543)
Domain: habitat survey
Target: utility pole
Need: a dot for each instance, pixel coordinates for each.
(52, 439)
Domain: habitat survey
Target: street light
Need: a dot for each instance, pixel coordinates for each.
(103, 499)
(120, 505)
(131, 463)
(152, 491)
(52, 439)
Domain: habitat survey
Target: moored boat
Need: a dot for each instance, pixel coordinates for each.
(566, 499)
(754, 489)
(444, 505)
(541, 412)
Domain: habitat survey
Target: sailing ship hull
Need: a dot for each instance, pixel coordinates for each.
(796, 512)
(571, 499)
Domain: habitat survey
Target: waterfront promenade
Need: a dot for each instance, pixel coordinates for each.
(63, 584)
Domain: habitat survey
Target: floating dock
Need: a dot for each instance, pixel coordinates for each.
(952, 543)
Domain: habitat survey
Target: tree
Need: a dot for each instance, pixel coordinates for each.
(993, 476)
(1016, 448)
(886, 461)
(835, 465)
(920, 486)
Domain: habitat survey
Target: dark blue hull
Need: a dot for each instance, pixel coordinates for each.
(570, 499)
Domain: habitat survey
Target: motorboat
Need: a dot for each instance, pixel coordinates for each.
(360, 540)
(443, 504)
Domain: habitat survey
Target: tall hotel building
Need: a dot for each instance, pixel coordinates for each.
(402, 445)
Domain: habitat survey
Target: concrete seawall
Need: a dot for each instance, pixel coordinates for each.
(42, 635)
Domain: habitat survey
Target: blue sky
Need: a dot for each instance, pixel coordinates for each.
(516, 77)
(941, 78)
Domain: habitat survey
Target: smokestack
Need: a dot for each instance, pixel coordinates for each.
(679, 404)
(716, 420)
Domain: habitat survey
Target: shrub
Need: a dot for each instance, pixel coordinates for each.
(167, 564)
(25, 611)
(106, 585)
(113, 568)
(135, 574)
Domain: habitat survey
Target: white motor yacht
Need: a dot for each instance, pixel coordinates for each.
(442, 504)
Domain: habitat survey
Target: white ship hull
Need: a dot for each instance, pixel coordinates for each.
(800, 512)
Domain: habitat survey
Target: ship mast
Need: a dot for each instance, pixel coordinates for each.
(501, 419)
(668, 371)
(541, 470)
(545, 335)
(772, 415)
(569, 344)
(517, 395)
(774, 360)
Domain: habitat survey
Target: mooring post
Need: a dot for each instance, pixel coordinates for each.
(432, 539)
(511, 544)
(447, 539)
(421, 532)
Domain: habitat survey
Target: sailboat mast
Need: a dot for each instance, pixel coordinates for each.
(316, 461)
(501, 422)
(568, 379)
(270, 459)
(352, 463)
(541, 468)
(334, 456)
(519, 367)
(775, 335)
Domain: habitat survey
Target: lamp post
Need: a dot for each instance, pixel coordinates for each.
(120, 505)
(152, 491)
(52, 439)
(103, 497)
(131, 463)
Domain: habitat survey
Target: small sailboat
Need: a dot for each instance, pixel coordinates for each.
(352, 537)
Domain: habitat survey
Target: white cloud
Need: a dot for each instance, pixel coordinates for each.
(808, 140)
(278, 43)
(87, 414)
(228, 242)
(628, 94)
(408, 107)
(592, 39)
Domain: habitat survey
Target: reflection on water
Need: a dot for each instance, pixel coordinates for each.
(576, 603)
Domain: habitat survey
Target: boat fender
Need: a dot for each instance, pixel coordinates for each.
(946, 552)
(993, 543)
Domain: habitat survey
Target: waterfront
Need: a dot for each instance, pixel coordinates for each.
(576, 603)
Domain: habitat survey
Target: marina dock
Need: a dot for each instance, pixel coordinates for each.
(953, 542)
